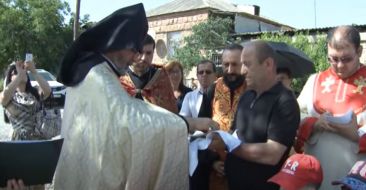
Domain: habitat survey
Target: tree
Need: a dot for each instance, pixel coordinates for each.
(34, 26)
(315, 48)
(214, 34)
(206, 38)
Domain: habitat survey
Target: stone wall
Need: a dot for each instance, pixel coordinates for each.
(160, 26)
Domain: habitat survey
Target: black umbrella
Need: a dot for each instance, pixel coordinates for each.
(292, 58)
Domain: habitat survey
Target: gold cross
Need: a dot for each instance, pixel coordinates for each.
(361, 82)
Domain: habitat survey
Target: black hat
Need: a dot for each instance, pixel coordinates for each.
(124, 29)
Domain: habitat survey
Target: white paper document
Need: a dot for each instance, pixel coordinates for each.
(341, 119)
(231, 142)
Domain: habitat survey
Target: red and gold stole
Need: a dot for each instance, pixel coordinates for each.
(337, 96)
(223, 110)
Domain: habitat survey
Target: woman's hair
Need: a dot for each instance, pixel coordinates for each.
(169, 66)
(28, 87)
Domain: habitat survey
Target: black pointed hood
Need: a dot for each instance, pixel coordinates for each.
(126, 28)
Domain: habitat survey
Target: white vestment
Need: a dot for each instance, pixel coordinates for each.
(113, 141)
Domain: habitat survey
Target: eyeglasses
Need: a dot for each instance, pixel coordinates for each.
(343, 60)
(208, 72)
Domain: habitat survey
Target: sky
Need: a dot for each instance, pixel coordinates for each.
(296, 13)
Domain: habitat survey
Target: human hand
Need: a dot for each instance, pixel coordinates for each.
(349, 130)
(322, 124)
(206, 124)
(22, 73)
(351, 124)
(13, 184)
(227, 140)
(218, 166)
(201, 124)
(29, 66)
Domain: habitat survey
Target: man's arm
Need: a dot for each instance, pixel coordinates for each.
(281, 132)
(201, 124)
(269, 153)
(348, 130)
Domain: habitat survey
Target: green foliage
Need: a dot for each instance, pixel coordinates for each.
(35, 26)
(314, 48)
(212, 35)
(206, 37)
(1, 86)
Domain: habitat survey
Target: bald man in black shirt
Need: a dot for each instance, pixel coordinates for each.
(266, 121)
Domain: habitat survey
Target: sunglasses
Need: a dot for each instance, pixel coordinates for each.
(208, 72)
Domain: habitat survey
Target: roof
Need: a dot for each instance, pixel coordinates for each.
(361, 28)
(263, 19)
(187, 5)
(214, 6)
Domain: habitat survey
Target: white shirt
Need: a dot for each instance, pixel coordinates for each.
(305, 99)
(191, 104)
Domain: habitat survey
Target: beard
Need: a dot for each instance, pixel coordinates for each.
(232, 77)
(121, 64)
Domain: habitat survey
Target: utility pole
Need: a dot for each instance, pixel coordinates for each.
(76, 20)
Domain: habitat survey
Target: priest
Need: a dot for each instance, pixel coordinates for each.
(111, 140)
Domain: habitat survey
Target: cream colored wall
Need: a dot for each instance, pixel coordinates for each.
(363, 43)
(159, 26)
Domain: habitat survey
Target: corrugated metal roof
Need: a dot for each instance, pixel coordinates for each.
(263, 19)
(361, 28)
(187, 5)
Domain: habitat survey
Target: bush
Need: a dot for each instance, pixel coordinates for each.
(1, 84)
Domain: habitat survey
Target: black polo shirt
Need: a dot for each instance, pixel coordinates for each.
(273, 115)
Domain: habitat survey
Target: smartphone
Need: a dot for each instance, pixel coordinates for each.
(28, 57)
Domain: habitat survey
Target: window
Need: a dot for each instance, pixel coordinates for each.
(174, 39)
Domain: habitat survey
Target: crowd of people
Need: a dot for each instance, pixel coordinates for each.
(128, 123)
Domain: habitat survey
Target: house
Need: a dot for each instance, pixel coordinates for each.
(313, 33)
(171, 22)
